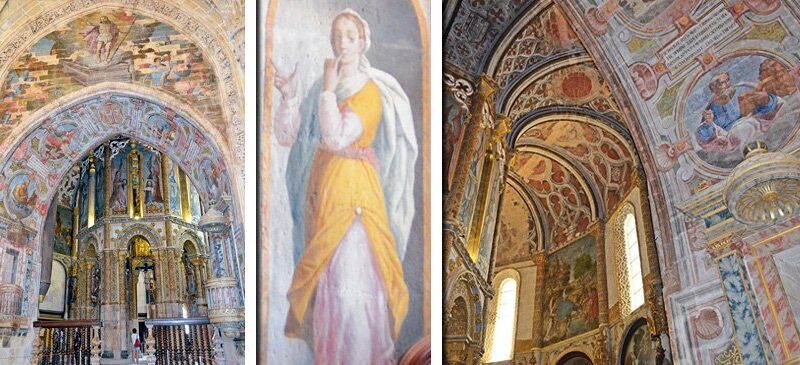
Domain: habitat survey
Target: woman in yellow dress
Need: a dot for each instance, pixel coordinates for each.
(350, 177)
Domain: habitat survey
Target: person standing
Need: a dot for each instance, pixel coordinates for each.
(137, 346)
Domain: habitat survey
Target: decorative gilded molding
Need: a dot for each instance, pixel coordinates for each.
(731, 356)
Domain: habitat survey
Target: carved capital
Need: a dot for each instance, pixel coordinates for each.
(539, 259)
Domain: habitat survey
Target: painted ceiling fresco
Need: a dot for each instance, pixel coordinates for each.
(106, 46)
(476, 25)
(26, 183)
(574, 85)
(603, 153)
(539, 62)
(695, 81)
(545, 35)
(563, 194)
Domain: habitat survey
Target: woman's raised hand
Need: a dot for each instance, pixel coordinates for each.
(285, 82)
(330, 78)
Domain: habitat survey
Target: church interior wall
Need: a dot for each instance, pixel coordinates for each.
(170, 77)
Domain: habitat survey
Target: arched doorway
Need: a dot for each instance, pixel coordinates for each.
(574, 358)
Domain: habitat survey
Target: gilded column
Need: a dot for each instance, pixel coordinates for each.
(540, 262)
(183, 185)
(456, 218)
(165, 163)
(601, 349)
(602, 280)
(91, 192)
(107, 182)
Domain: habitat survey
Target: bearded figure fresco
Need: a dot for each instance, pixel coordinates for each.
(742, 100)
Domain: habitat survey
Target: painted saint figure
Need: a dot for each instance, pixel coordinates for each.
(351, 183)
(101, 38)
(119, 199)
(736, 114)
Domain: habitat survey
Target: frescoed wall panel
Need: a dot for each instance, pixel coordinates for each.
(174, 189)
(153, 185)
(109, 45)
(119, 180)
(84, 195)
(100, 184)
(62, 242)
(571, 299)
(390, 69)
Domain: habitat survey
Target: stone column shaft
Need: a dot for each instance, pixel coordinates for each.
(540, 262)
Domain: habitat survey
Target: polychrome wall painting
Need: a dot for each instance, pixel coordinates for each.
(745, 98)
(119, 181)
(28, 186)
(706, 78)
(103, 46)
(83, 195)
(174, 188)
(571, 301)
(346, 275)
(153, 187)
(62, 242)
(99, 185)
(638, 349)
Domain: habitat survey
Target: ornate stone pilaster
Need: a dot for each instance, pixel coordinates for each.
(540, 262)
(747, 321)
(602, 280)
(471, 147)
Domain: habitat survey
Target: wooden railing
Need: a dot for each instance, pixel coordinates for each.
(180, 341)
(66, 342)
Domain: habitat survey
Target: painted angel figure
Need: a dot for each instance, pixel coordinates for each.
(351, 186)
(100, 38)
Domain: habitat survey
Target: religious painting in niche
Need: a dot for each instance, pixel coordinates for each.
(355, 194)
(109, 45)
(21, 197)
(83, 214)
(194, 204)
(119, 183)
(745, 98)
(99, 185)
(571, 306)
(174, 188)
(153, 192)
(62, 242)
(638, 348)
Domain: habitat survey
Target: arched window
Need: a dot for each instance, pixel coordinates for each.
(636, 288)
(500, 341)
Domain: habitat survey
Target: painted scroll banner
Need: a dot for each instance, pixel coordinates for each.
(713, 28)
